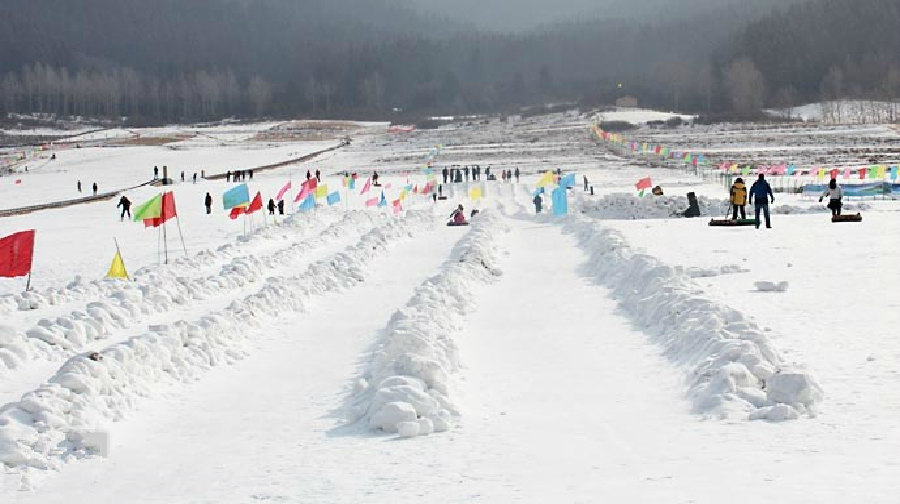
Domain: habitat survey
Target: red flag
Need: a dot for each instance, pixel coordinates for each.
(236, 211)
(644, 183)
(256, 204)
(16, 253)
(283, 190)
(167, 211)
(311, 184)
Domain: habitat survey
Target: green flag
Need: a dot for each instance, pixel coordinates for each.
(151, 209)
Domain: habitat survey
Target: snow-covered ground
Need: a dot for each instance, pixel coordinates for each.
(356, 354)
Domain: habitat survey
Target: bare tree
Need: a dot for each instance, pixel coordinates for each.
(260, 93)
(746, 86)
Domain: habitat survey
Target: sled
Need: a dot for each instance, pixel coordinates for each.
(847, 218)
(453, 224)
(442, 198)
(732, 222)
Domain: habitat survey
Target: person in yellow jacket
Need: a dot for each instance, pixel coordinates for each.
(738, 199)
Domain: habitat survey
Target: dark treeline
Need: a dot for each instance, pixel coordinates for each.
(170, 60)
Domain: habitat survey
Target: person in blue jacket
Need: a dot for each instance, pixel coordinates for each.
(761, 191)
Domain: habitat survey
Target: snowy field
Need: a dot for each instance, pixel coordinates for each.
(359, 353)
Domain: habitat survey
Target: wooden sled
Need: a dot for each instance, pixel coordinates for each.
(453, 224)
(732, 223)
(847, 218)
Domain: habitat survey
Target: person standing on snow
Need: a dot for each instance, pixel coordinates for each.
(318, 176)
(537, 203)
(308, 175)
(228, 176)
(835, 193)
(182, 175)
(762, 191)
(208, 202)
(271, 206)
(585, 182)
(95, 188)
(280, 207)
(155, 172)
(517, 174)
(444, 173)
(739, 199)
(79, 186)
(125, 204)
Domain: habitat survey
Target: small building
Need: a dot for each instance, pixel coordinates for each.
(627, 102)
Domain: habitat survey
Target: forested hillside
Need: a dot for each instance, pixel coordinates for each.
(171, 60)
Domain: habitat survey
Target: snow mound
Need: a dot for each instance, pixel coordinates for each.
(771, 286)
(114, 305)
(627, 206)
(60, 420)
(734, 370)
(406, 387)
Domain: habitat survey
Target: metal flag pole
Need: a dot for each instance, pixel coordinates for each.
(178, 221)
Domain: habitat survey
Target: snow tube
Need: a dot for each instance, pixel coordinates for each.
(846, 218)
(732, 223)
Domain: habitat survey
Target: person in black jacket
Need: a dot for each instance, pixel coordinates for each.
(271, 206)
(208, 202)
(761, 191)
(125, 205)
(281, 207)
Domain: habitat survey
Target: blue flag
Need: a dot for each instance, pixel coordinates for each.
(309, 203)
(333, 198)
(540, 190)
(238, 196)
(560, 204)
(352, 183)
(567, 181)
(383, 201)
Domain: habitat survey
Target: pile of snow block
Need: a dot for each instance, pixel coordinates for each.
(733, 368)
(407, 385)
(48, 425)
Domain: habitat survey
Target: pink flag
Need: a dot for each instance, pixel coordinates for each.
(366, 187)
(644, 183)
(304, 192)
(372, 202)
(846, 173)
(387, 186)
(286, 188)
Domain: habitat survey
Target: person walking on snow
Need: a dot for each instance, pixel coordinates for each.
(208, 202)
(318, 176)
(537, 203)
(95, 188)
(228, 176)
(517, 175)
(195, 177)
(444, 173)
(761, 191)
(79, 186)
(835, 193)
(155, 172)
(182, 175)
(271, 206)
(308, 175)
(585, 182)
(125, 204)
(739, 199)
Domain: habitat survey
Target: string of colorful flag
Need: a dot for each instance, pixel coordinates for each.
(869, 172)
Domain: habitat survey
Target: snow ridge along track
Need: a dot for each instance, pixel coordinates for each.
(734, 370)
(406, 385)
(55, 422)
(119, 305)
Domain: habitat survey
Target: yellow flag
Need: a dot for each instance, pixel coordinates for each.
(321, 191)
(475, 194)
(821, 174)
(117, 269)
(546, 180)
(402, 195)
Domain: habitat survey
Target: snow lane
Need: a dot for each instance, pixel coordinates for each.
(304, 249)
(265, 419)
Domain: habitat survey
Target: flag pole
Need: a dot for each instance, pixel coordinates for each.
(181, 235)
(165, 243)
(28, 282)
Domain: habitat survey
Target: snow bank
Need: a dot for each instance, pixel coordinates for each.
(625, 206)
(117, 305)
(43, 429)
(406, 387)
(733, 368)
